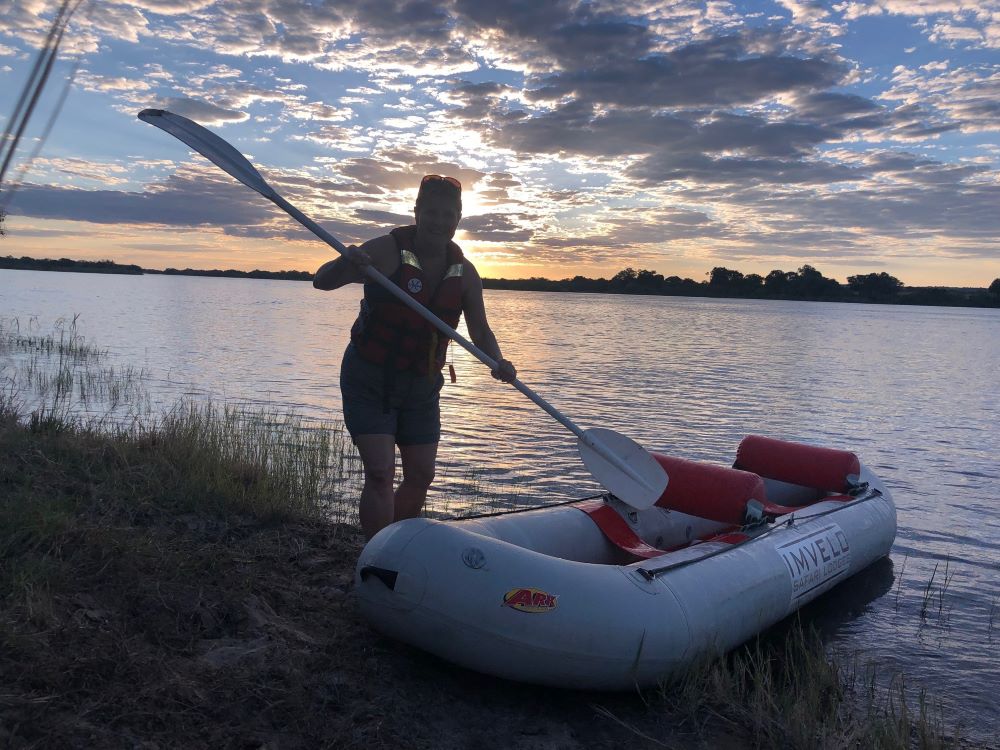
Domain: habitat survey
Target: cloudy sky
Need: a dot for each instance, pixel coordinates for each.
(857, 137)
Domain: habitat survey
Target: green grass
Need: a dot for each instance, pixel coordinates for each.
(63, 479)
(64, 341)
(259, 461)
(126, 555)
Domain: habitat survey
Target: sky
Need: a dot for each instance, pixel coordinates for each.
(857, 137)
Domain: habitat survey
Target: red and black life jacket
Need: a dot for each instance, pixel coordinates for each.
(389, 333)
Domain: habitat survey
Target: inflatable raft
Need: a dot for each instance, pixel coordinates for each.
(594, 594)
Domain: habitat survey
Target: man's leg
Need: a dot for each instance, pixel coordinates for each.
(418, 473)
(378, 455)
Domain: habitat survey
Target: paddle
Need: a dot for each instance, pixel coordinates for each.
(618, 463)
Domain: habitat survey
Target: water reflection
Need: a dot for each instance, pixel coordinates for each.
(839, 609)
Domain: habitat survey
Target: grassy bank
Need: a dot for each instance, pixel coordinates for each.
(183, 586)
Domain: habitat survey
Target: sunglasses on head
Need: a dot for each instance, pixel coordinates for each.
(437, 177)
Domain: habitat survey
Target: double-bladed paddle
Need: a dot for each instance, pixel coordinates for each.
(620, 464)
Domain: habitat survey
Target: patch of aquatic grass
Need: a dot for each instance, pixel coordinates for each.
(64, 341)
(932, 593)
(61, 372)
(788, 692)
(258, 461)
(892, 722)
(899, 580)
(10, 404)
(782, 693)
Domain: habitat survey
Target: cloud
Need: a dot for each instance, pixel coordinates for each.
(204, 112)
(963, 97)
(191, 197)
(805, 11)
(724, 71)
(495, 228)
(953, 22)
(386, 218)
(667, 167)
(172, 7)
(88, 81)
(833, 107)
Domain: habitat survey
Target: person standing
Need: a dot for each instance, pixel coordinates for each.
(390, 376)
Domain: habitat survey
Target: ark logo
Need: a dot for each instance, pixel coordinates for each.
(530, 600)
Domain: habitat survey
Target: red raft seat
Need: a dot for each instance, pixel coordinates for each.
(825, 469)
(709, 491)
(738, 495)
(717, 493)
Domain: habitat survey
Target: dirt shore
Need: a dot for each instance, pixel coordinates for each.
(159, 592)
(197, 632)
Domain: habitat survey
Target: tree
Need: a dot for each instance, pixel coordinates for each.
(879, 287)
(649, 281)
(995, 288)
(778, 281)
(3, 217)
(753, 282)
(811, 284)
(624, 276)
(724, 278)
(622, 280)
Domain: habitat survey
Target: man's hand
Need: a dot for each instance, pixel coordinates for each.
(504, 371)
(358, 257)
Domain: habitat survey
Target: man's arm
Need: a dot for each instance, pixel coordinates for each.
(350, 268)
(478, 325)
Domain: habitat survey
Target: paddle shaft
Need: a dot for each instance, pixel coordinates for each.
(376, 275)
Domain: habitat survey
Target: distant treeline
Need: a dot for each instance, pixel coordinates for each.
(804, 284)
(66, 264)
(109, 266)
(231, 273)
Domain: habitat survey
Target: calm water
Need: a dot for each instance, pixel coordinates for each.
(915, 391)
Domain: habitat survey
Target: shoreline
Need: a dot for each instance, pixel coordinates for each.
(965, 297)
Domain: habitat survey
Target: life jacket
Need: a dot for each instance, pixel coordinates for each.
(389, 333)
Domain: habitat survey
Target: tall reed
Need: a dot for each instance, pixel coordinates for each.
(784, 690)
(60, 373)
(261, 461)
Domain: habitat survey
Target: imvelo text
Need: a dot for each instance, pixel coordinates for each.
(816, 559)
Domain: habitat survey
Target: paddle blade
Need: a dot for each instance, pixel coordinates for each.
(209, 145)
(623, 466)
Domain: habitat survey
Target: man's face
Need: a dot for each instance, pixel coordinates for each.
(437, 218)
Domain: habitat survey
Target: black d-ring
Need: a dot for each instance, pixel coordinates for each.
(386, 576)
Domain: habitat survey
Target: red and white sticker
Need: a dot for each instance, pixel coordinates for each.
(530, 600)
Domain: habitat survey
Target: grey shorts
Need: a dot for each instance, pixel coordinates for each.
(406, 406)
